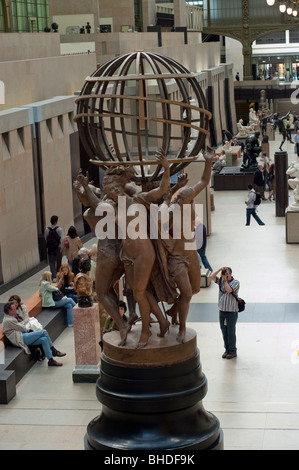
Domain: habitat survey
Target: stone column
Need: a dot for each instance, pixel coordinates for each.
(87, 348)
(282, 193)
(180, 15)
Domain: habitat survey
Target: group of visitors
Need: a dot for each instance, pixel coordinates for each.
(58, 245)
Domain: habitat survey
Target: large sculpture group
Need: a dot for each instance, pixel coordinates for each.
(157, 268)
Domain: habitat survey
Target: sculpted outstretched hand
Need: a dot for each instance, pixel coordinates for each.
(208, 154)
(161, 157)
(84, 180)
(182, 181)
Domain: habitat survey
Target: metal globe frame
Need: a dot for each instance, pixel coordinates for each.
(120, 121)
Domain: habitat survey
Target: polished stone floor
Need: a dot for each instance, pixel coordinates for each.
(255, 396)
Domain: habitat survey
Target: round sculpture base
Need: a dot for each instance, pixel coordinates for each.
(152, 405)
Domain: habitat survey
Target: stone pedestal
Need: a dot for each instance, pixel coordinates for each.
(266, 148)
(270, 131)
(87, 349)
(152, 397)
(282, 189)
(292, 226)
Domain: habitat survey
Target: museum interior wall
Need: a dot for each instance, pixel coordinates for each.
(18, 235)
(195, 55)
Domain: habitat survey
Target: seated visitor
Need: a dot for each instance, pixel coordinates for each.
(19, 334)
(46, 290)
(83, 253)
(65, 282)
(109, 324)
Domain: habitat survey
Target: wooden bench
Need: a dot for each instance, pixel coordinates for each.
(16, 362)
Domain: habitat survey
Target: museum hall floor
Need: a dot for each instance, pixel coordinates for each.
(255, 396)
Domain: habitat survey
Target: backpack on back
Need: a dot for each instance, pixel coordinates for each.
(258, 199)
(53, 240)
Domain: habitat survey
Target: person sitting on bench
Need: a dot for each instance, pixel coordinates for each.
(19, 335)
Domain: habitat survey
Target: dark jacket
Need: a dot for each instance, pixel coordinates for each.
(258, 178)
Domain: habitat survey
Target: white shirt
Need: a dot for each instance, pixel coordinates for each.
(251, 199)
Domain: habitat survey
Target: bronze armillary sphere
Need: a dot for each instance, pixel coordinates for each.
(137, 103)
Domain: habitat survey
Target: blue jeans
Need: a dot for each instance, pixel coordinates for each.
(74, 297)
(37, 338)
(251, 212)
(228, 321)
(68, 304)
(204, 259)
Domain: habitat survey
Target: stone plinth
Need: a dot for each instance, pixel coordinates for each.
(292, 226)
(87, 349)
(282, 188)
(266, 148)
(152, 397)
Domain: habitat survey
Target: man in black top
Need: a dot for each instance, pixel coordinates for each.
(258, 181)
(54, 237)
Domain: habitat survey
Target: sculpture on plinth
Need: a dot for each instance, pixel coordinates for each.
(279, 124)
(293, 181)
(83, 284)
(124, 115)
(253, 119)
(251, 152)
(244, 131)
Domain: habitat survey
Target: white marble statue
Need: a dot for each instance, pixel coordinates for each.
(253, 119)
(244, 131)
(293, 172)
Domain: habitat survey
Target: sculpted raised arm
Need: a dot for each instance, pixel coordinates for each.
(205, 179)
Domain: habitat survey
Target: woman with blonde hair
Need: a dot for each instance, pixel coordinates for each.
(71, 245)
(65, 282)
(46, 290)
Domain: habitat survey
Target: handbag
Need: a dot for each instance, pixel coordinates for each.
(57, 295)
(241, 302)
(69, 290)
(34, 324)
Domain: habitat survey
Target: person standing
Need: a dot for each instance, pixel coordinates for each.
(288, 129)
(296, 141)
(272, 182)
(200, 234)
(71, 245)
(228, 309)
(250, 211)
(54, 238)
(258, 181)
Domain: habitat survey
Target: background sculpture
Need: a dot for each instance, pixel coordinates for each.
(251, 152)
(279, 123)
(293, 181)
